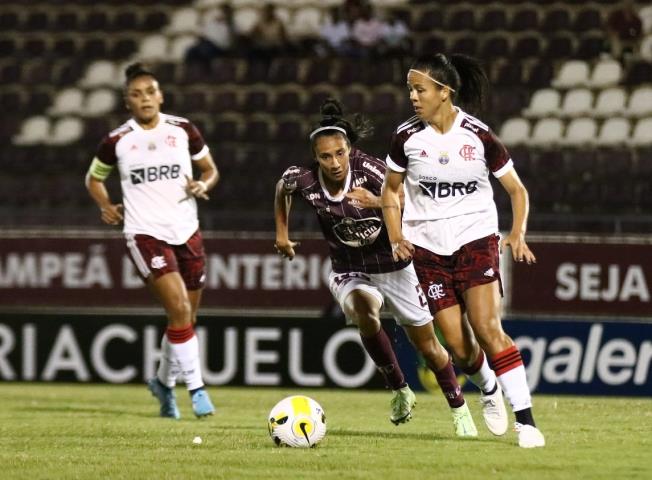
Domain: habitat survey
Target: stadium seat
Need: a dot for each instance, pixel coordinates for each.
(466, 45)
(614, 131)
(153, 48)
(642, 133)
(33, 130)
(498, 45)
(431, 43)
(555, 19)
(69, 100)
(515, 131)
(256, 99)
(154, 20)
(316, 97)
(96, 21)
(288, 99)
(430, 20)
(123, 48)
(581, 131)
(259, 126)
(179, 45)
(640, 102)
(290, 129)
(460, 19)
(355, 98)
(559, 45)
(605, 73)
(306, 22)
(383, 101)
(529, 45)
(493, 19)
(228, 127)
(66, 130)
(226, 70)
(577, 101)
(244, 19)
(590, 46)
(525, 18)
(589, 18)
(284, 70)
(101, 73)
(610, 102)
(99, 102)
(228, 100)
(573, 73)
(547, 131)
(94, 48)
(543, 102)
(183, 21)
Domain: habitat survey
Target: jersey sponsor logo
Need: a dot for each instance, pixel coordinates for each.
(467, 152)
(436, 291)
(359, 181)
(358, 232)
(154, 173)
(410, 131)
(314, 196)
(158, 262)
(445, 189)
(372, 168)
(444, 158)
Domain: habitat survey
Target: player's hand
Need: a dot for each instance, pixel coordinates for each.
(196, 188)
(520, 251)
(402, 250)
(286, 248)
(112, 214)
(363, 198)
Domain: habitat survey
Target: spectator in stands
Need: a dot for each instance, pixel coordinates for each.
(155, 154)
(624, 29)
(334, 35)
(343, 186)
(217, 37)
(395, 37)
(268, 38)
(444, 156)
(367, 32)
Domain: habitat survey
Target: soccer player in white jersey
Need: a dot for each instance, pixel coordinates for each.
(155, 154)
(444, 156)
(343, 187)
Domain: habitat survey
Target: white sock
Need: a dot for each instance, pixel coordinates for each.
(484, 377)
(514, 385)
(187, 356)
(168, 367)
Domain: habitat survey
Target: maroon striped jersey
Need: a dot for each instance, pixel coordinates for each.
(357, 237)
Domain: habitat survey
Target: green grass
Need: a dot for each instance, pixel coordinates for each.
(99, 431)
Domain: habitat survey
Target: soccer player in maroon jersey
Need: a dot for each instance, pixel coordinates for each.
(343, 186)
(155, 154)
(443, 158)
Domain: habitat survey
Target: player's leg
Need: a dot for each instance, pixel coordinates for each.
(483, 302)
(408, 303)
(192, 263)
(361, 302)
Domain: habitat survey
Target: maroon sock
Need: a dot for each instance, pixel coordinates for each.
(380, 350)
(447, 380)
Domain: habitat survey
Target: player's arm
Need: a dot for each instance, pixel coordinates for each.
(208, 178)
(95, 177)
(520, 208)
(402, 249)
(282, 203)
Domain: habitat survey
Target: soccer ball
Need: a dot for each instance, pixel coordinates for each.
(297, 421)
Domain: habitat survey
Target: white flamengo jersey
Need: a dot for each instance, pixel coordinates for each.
(448, 195)
(153, 167)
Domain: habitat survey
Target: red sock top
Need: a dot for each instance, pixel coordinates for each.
(180, 335)
(507, 360)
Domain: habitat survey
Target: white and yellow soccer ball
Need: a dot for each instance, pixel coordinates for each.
(297, 421)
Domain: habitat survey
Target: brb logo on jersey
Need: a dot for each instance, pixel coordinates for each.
(444, 189)
(154, 173)
(358, 232)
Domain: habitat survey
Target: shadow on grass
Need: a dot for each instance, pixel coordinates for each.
(84, 410)
(403, 435)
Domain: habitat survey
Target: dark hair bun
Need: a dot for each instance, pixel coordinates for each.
(331, 108)
(136, 70)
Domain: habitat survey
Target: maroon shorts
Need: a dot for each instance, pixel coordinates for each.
(445, 277)
(152, 256)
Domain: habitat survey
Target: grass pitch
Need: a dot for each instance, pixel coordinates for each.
(51, 431)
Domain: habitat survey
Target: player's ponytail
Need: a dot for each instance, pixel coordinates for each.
(332, 115)
(462, 74)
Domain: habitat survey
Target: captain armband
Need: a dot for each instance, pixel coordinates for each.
(99, 170)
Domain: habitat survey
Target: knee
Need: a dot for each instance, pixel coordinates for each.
(179, 311)
(368, 322)
(491, 336)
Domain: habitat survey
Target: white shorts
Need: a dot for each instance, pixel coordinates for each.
(405, 299)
